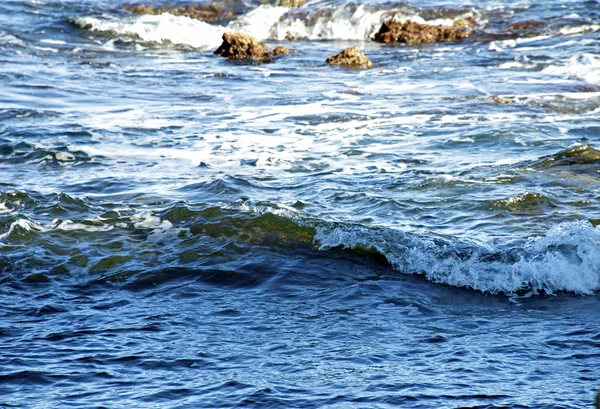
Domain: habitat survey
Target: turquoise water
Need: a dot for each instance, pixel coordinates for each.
(180, 230)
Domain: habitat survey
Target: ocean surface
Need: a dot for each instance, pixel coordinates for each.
(178, 230)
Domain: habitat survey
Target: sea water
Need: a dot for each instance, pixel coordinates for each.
(179, 230)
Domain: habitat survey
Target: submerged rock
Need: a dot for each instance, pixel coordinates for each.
(412, 33)
(350, 57)
(572, 156)
(526, 25)
(240, 46)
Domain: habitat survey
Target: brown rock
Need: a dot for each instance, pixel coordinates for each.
(279, 50)
(143, 9)
(292, 4)
(412, 33)
(526, 25)
(468, 22)
(211, 12)
(239, 46)
(350, 57)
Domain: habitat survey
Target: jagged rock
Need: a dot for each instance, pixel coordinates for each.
(240, 46)
(292, 4)
(411, 33)
(350, 57)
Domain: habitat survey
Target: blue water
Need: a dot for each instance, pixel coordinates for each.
(179, 230)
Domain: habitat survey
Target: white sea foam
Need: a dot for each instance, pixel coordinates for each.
(4, 209)
(160, 230)
(514, 43)
(583, 66)
(6, 38)
(565, 259)
(23, 225)
(258, 22)
(342, 23)
(69, 225)
(160, 29)
(580, 29)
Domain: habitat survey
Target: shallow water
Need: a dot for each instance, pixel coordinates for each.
(180, 230)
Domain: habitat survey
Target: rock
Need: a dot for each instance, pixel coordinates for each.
(292, 4)
(240, 46)
(279, 50)
(350, 57)
(412, 33)
(143, 9)
(211, 12)
(467, 22)
(526, 25)
(500, 100)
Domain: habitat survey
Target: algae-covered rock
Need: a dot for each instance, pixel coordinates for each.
(575, 155)
(240, 46)
(263, 229)
(411, 33)
(350, 57)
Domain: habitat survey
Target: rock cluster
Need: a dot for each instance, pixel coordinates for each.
(411, 33)
(239, 46)
(350, 57)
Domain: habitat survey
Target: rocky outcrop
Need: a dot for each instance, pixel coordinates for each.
(412, 33)
(350, 57)
(211, 12)
(240, 46)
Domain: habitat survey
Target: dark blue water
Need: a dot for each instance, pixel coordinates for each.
(178, 230)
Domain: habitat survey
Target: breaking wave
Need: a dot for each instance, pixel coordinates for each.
(565, 259)
(340, 22)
